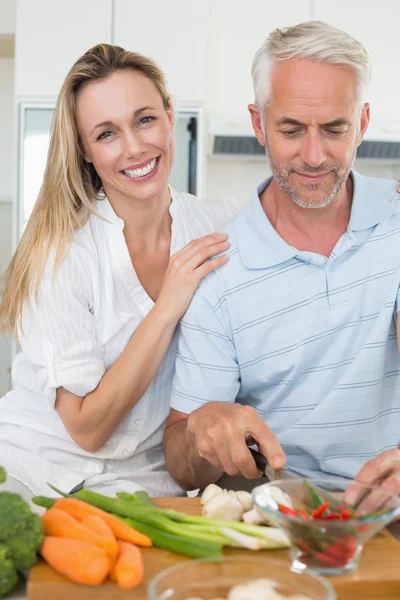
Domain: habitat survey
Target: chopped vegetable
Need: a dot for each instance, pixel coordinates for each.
(315, 498)
(98, 525)
(223, 506)
(128, 570)
(59, 523)
(175, 543)
(79, 560)
(80, 509)
(209, 492)
(319, 512)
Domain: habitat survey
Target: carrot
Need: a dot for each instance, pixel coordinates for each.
(129, 569)
(59, 523)
(98, 525)
(122, 531)
(80, 561)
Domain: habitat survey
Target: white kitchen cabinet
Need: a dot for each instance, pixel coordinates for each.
(174, 33)
(7, 17)
(376, 25)
(237, 30)
(50, 36)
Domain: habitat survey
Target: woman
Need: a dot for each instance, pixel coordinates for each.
(93, 294)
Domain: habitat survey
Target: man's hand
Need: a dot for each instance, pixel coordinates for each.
(222, 433)
(383, 471)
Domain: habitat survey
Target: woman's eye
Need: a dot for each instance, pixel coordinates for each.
(145, 120)
(104, 135)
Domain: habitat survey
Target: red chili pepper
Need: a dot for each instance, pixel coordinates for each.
(330, 560)
(287, 511)
(332, 517)
(302, 513)
(318, 512)
(345, 514)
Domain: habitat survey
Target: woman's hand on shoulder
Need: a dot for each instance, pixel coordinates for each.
(186, 269)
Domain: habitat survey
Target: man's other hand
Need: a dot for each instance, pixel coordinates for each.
(382, 471)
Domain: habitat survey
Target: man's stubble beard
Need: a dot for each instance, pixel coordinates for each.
(282, 177)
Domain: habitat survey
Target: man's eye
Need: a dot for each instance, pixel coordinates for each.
(291, 132)
(104, 135)
(334, 132)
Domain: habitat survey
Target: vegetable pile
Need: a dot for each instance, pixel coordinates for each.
(229, 505)
(311, 529)
(196, 537)
(21, 535)
(86, 544)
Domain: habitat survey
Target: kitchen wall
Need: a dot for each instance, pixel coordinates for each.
(7, 174)
(7, 160)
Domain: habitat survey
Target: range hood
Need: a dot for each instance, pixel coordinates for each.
(233, 137)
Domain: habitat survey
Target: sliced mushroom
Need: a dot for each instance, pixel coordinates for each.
(210, 491)
(223, 506)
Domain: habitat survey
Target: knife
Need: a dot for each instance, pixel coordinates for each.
(262, 464)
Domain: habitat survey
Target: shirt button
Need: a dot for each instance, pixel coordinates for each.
(125, 453)
(47, 348)
(139, 421)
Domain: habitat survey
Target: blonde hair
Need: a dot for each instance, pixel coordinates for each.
(70, 183)
(313, 39)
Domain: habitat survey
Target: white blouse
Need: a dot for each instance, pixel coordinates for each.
(82, 321)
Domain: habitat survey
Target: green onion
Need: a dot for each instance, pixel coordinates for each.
(175, 543)
(44, 501)
(315, 498)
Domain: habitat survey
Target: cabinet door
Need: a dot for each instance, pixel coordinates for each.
(237, 30)
(50, 36)
(376, 26)
(173, 33)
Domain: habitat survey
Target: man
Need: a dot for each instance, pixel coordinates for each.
(292, 344)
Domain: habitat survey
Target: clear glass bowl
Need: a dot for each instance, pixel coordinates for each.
(213, 578)
(329, 547)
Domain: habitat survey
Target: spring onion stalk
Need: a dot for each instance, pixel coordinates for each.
(245, 541)
(175, 543)
(200, 535)
(44, 501)
(128, 509)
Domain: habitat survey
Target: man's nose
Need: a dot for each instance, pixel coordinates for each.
(312, 149)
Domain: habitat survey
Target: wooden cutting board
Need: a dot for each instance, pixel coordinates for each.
(377, 577)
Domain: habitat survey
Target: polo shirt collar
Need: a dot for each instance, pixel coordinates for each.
(259, 244)
(374, 200)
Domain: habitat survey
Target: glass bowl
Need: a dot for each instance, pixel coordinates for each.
(328, 545)
(209, 579)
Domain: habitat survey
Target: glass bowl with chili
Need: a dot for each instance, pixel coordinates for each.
(327, 534)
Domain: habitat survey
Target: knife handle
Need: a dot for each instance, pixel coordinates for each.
(260, 460)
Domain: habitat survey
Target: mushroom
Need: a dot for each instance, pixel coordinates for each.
(210, 491)
(254, 517)
(245, 499)
(223, 506)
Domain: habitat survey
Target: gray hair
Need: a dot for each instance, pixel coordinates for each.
(313, 39)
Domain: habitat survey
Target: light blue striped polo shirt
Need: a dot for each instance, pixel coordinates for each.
(308, 341)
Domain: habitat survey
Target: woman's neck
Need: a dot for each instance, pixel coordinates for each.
(146, 222)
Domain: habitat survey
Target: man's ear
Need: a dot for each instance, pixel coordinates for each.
(364, 121)
(257, 124)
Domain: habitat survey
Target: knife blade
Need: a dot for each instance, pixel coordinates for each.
(262, 464)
